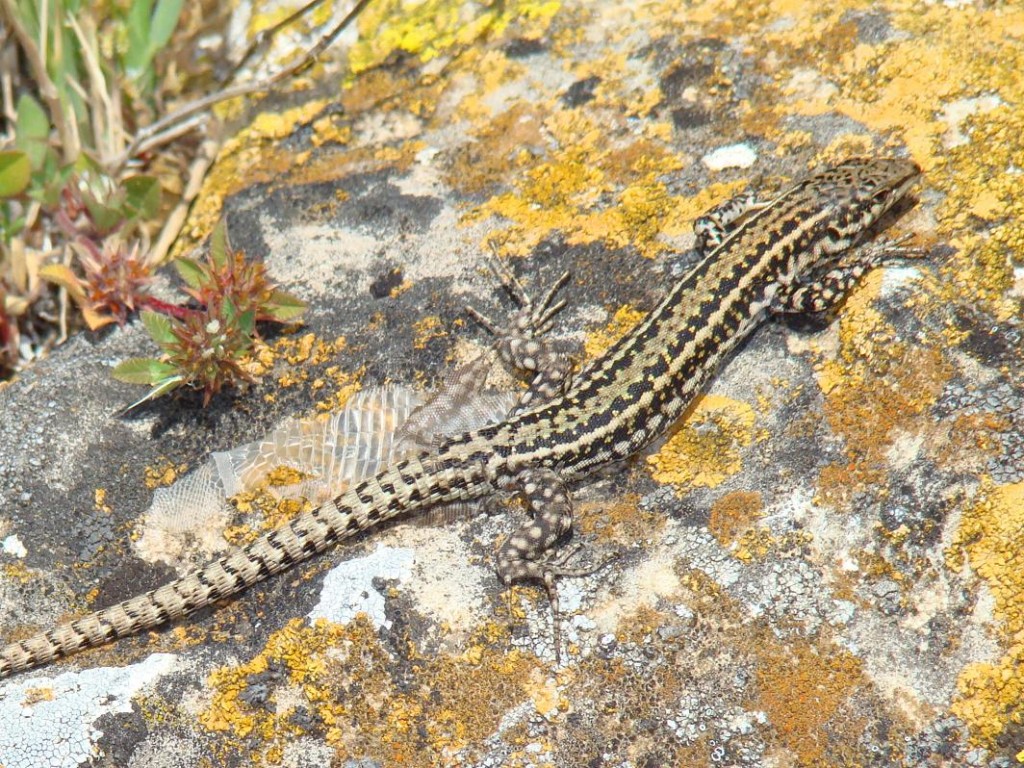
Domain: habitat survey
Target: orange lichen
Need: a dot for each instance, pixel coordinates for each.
(733, 514)
(618, 520)
(706, 450)
(501, 143)
(991, 694)
(877, 387)
(807, 690)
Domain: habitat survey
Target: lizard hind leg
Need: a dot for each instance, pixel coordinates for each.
(529, 553)
(522, 346)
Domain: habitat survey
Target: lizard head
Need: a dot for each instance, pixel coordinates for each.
(863, 189)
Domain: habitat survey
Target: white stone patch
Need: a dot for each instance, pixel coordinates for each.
(810, 85)
(348, 589)
(1018, 282)
(954, 114)
(12, 546)
(732, 156)
(313, 254)
(423, 178)
(448, 588)
(47, 722)
(904, 450)
(895, 277)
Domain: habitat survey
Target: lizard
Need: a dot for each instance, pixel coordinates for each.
(801, 251)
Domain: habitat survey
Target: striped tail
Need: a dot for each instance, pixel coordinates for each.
(408, 486)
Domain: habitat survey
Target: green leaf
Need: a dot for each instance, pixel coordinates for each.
(28, 11)
(283, 306)
(219, 245)
(191, 272)
(48, 181)
(137, 53)
(167, 385)
(164, 20)
(247, 322)
(105, 217)
(159, 327)
(228, 312)
(15, 173)
(32, 130)
(32, 120)
(10, 227)
(142, 196)
(144, 370)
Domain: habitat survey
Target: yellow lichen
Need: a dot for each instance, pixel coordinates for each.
(99, 501)
(343, 676)
(425, 329)
(622, 322)
(162, 474)
(251, 156)
(430, 27)
(991, 694)
(18, 572)
(301, 652)
(706, 450)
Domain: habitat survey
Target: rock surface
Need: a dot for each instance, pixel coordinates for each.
(822, 566)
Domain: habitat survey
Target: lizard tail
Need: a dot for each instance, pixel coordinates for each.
(403, 488)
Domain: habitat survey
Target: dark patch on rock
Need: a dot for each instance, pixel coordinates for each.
(990, 343)
(522, 47)
(873, 26)
(122, 734)
(260, 686)
(385, 283)
(375, 204)
(131, 579)
(691, 115)
(580, 92)
(698, 62)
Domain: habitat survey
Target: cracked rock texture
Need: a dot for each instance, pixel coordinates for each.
(822, 566)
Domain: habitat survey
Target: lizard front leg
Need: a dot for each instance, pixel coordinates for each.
(830, 288)
(718, 222)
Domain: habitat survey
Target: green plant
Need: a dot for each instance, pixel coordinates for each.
(206, 348)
